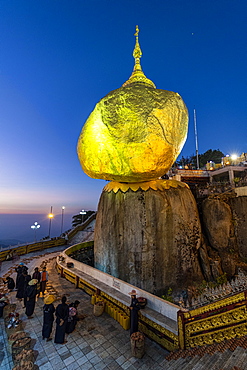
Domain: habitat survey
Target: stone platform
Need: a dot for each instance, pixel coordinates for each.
(100, 342)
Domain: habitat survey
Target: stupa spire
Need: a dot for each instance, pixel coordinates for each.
(137, 75)
(137, 53)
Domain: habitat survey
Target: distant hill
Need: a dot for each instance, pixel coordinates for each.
(5, 243)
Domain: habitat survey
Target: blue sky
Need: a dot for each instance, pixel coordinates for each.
(60, 57)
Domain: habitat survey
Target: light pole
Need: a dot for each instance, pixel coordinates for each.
(35, 226)
(82, 213)
(50, 217)
(63, 208)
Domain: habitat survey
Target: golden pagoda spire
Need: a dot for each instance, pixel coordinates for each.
(137, 75)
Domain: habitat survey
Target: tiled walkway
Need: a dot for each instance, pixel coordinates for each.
(97, 342)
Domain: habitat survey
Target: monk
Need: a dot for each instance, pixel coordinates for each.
(48, 317)
(31, 292)
(62, 314)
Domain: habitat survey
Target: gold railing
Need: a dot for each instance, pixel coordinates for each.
(28, 248)
(214, 322)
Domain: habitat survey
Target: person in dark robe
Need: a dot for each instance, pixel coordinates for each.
(26, 281)
(73, 317)
(134, 308)
(19, 270)
(31, 292)
(37, 275)
(48, 317)
(3, 302)
(22, 284)
(10, 283)
(62, 314)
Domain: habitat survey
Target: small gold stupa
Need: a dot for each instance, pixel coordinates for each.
(134, 133)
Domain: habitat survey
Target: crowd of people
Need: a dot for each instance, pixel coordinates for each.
(29, 288)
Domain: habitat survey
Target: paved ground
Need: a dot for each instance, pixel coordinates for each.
(97, 343)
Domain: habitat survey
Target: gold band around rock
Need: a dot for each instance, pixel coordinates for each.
(135, 186)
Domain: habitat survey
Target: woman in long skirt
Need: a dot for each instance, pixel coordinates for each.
(48, 317)
(31, 292)
(62, 314)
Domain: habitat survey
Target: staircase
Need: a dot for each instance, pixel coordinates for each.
(228, 355)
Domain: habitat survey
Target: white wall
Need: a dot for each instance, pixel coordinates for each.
(155, 303)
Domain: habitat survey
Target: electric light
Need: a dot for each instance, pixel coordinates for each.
(50, 216)
(35, 226)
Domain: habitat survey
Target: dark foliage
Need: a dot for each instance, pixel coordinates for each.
(80, 218)
(210, 155)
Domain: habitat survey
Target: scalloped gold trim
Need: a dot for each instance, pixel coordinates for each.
(134, 186)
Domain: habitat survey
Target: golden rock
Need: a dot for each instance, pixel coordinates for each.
(134, 133)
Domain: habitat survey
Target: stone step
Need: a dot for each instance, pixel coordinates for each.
(211, 361)
(190, 365)
(202, 363)
(165, 364)
(235, 356)
(177, 364)
(221, 360)
(242, 361)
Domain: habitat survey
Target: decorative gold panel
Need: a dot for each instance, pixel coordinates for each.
(217, 336)
(160, 335)
(216, 305)
(220, 320)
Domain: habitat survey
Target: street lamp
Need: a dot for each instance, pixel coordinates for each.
(63, 208)
(82, 213)
(50, 216)
(35, 226)
(234, 158)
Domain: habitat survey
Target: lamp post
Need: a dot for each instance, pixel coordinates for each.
(63, 208)
(82, 213)
(50, 217)
(35, 226)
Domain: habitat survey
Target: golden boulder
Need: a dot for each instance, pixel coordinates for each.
(134, 133)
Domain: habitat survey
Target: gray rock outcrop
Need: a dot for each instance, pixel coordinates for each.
(149, 238)
(225, 226)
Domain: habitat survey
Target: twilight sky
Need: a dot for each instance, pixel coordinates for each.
(60, 57)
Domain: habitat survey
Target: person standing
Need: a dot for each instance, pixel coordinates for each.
(31, 292)
(48, 317)
(62, 314)
(25, 285)
(134, 308)
(37, 275)
(19, 270)
(22, 284)
(43, 280)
